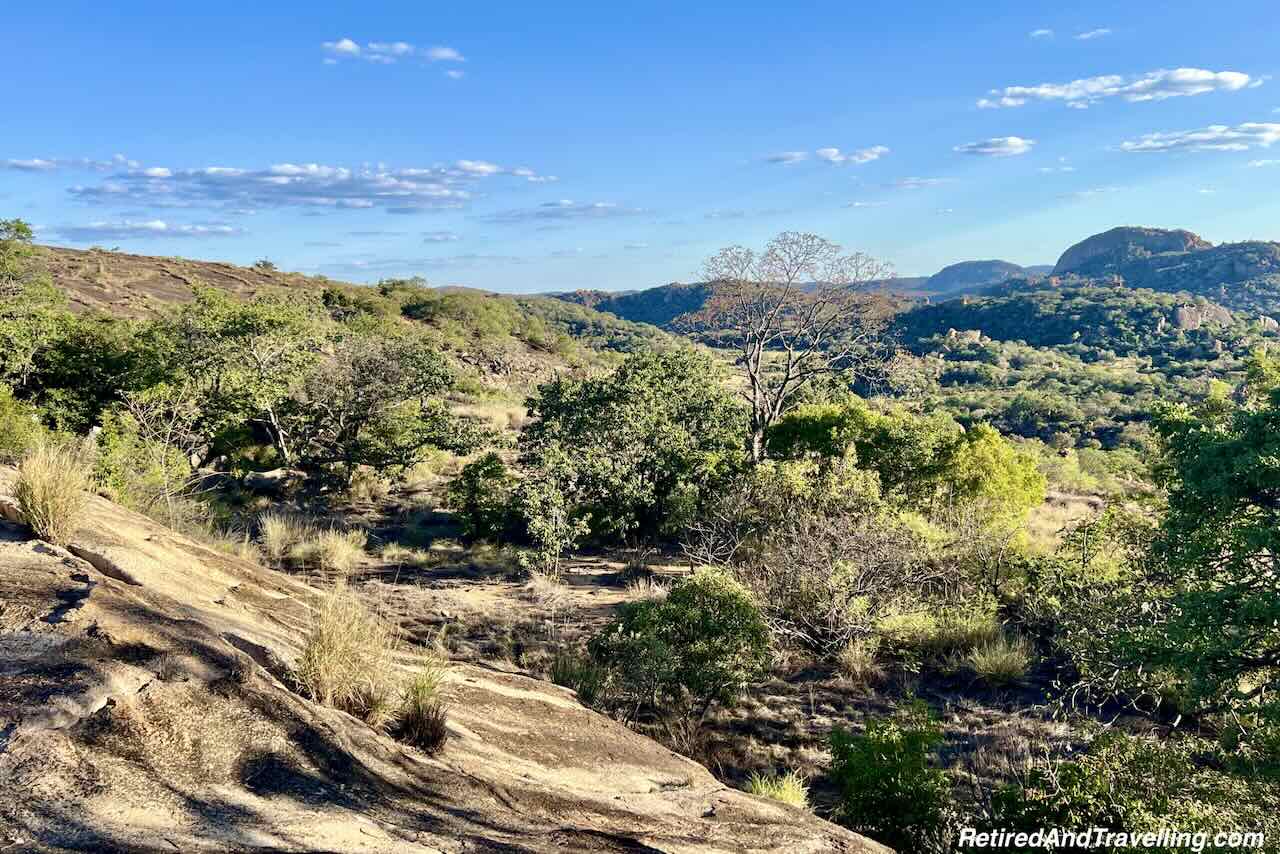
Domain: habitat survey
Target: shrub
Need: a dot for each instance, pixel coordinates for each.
(1139, 785)
(347, 658)
(701, 644)
(482, 498)
(52, 491)
(422, 719)
(20, 427)
(1001, 661)
(789, 788)
(858, 661)
(889, 789)
(940, 634)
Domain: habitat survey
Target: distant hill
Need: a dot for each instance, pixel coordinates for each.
(1242, 276)
(657, 306)
(972, 275)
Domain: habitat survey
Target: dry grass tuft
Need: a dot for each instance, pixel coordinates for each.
(858, 661)
(347, 659)
(647, 588)
(339, 551)
(546, 590)
(279, 533)
(52, 491)
(1002, 660)
(789, 788)
(422, 719)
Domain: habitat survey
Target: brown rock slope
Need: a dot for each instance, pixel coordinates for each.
(138, 285)
(144, 707)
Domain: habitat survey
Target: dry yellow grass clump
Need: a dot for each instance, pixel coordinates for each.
(1002, 660)
(52, 491)
(347, 659)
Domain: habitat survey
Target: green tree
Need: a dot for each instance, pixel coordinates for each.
(31, 308)
(641, 446)
(1199, 611)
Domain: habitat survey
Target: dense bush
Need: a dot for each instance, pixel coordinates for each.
(482, 497)
(700, 644)
(635, 453)
(1137, 785)
(20, 427)
(889, 787)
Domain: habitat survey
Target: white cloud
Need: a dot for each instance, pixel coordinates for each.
(1049, 170)
(1092, 192)
(49, 164)
(865, 204)
(1213, 138)
(915, 183)
(1259, 164)
(128, 229)
(455, 74)
(1041, 33)
(386, 53)
(998, 146)
(342, 47)
(564, 209)
(831, 155)
(860, 155)
(635, 246)
(440, 237)
(310, 185)
(1153, 86)
(1093, 34)
(444, 54)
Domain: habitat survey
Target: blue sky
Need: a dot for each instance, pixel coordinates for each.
(540, 146)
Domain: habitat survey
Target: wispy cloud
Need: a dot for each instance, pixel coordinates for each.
(866, 204)
(1093, 192)
(1156, 85)
(1042, 33)
(51, 164)
(386, 53)
(130, 229)
(635, 246)
(830, 155)
(915, 183)
(1089, 35)
(562, 210)
(309, 185)
(440, 237)
(1260, 164)
(997, 146)
(1213, 138)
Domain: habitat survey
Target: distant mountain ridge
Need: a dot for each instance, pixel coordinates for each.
(971, 275)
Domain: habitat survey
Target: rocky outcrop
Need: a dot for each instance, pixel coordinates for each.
(1110, 250)
(971, 276)
(145, 705)
(1240, 276)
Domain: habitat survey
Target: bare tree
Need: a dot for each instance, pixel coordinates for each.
(797, 311)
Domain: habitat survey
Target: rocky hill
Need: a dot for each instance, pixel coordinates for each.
(145, 705)
(969, 276)
(1242, 276)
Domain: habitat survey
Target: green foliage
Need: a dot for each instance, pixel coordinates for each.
(31, 308)
(1200, 605)
(138, 471)
(699, 645)
(20, 427)
(889, 787)
(922, 461)
(482, 496)
(1135, 785)
(637, 450)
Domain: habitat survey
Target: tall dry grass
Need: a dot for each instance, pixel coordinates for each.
(347, 660)
(53, 490)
